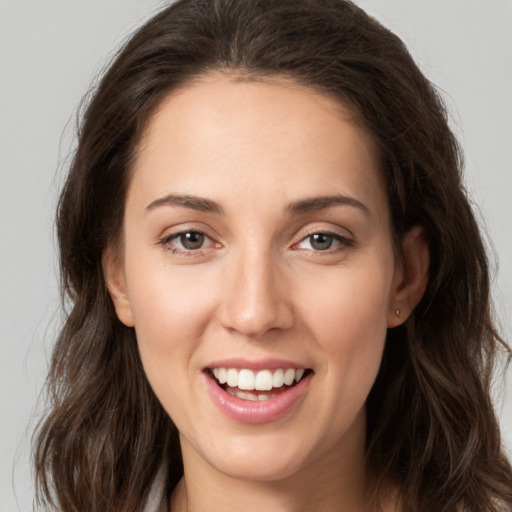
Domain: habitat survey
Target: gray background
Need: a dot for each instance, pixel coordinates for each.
(49, 52)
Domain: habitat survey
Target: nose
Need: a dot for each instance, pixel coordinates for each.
(255, 299)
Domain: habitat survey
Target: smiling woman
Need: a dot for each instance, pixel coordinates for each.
(284, 272)
(279, 291)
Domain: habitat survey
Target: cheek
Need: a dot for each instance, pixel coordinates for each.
(168, 304)
(355, 301)
(349, 321)
(170, 311)
(169, 314)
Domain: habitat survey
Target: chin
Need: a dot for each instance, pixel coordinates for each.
(258, 459)
(268, 470)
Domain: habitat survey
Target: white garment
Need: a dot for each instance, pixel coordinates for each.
(157, 501)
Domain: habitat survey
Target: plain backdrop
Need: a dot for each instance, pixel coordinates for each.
(50, 50)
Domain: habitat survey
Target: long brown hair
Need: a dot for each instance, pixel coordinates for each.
(432, 430)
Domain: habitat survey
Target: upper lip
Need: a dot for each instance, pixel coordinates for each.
(259, 364)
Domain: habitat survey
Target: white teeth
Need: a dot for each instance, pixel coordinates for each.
(247, 396)
(222, 375)
(232, 377)
(289, 376)
(246, 380)
(263, 380)
(278, 378)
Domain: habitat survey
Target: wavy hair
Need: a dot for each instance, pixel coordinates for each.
(432, 430)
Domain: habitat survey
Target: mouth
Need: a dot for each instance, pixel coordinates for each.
(257, 386)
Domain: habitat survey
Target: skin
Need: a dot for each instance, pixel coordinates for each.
(258, 287)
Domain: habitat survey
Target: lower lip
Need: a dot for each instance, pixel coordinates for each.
(264, 411)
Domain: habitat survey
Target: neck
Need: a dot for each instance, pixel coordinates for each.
(284, 496)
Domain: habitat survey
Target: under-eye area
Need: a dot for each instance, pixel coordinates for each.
(257, 385)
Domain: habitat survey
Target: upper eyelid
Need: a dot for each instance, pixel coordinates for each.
(330, 232)
(340, 238)
(179, 229)
(336, 231)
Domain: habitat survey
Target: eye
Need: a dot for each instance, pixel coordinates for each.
(320, 241)
(323, 242)
(191, 240)
(186, 241)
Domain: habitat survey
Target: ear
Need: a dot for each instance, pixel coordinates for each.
(411, 277)
(116, 283)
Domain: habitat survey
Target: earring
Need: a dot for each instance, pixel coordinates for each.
(397, 312)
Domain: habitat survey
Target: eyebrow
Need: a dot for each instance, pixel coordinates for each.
(296, 208)
(321, 203)
(187, 201)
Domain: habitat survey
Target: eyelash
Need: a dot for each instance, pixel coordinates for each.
(343, 243)
(166, 240)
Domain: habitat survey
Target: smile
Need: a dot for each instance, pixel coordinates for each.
(257, 396)
(263, 380)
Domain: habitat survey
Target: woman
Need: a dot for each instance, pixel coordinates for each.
(279, 293)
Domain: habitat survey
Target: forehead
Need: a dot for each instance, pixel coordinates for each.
(220, 136)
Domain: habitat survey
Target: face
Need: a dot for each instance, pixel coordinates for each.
(259, 273)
